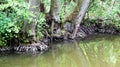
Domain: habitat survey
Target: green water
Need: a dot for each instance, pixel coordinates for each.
(100, 51)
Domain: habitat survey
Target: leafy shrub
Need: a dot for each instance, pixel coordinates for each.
(40, 25)
(12, 16)
(107, 10)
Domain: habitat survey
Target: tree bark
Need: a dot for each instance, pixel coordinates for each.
(54, 12)
(75, 12)
(30, 28)
(82, 11)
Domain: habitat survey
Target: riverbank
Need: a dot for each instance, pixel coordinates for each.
(45, 43)
(25, 49)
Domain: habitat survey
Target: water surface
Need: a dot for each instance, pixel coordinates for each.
(96, 51)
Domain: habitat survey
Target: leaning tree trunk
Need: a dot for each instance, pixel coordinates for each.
(75, 12)
(82, 11)
(54, 12)
(30, 28)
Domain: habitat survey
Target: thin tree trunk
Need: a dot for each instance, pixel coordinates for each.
(54, 12)
(30, 28)
(75, 12)
(82, 11)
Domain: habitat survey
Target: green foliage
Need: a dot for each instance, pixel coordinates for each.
(40, 25)
(107, 10)
(66, 8)
(12, 16)
(47, 5)
(13, 13)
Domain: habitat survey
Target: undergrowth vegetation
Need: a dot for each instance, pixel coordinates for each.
(106, 10)
(13, 13)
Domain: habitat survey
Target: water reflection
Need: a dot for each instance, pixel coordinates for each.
(93, 52)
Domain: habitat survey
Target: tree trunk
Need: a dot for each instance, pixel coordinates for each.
(82, 11)
(75, 12)
(30, 28)
(54, 12)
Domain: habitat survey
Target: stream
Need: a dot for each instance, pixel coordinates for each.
(95, 51)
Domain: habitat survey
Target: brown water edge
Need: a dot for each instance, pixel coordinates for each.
(95, 51)
(94, 29)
